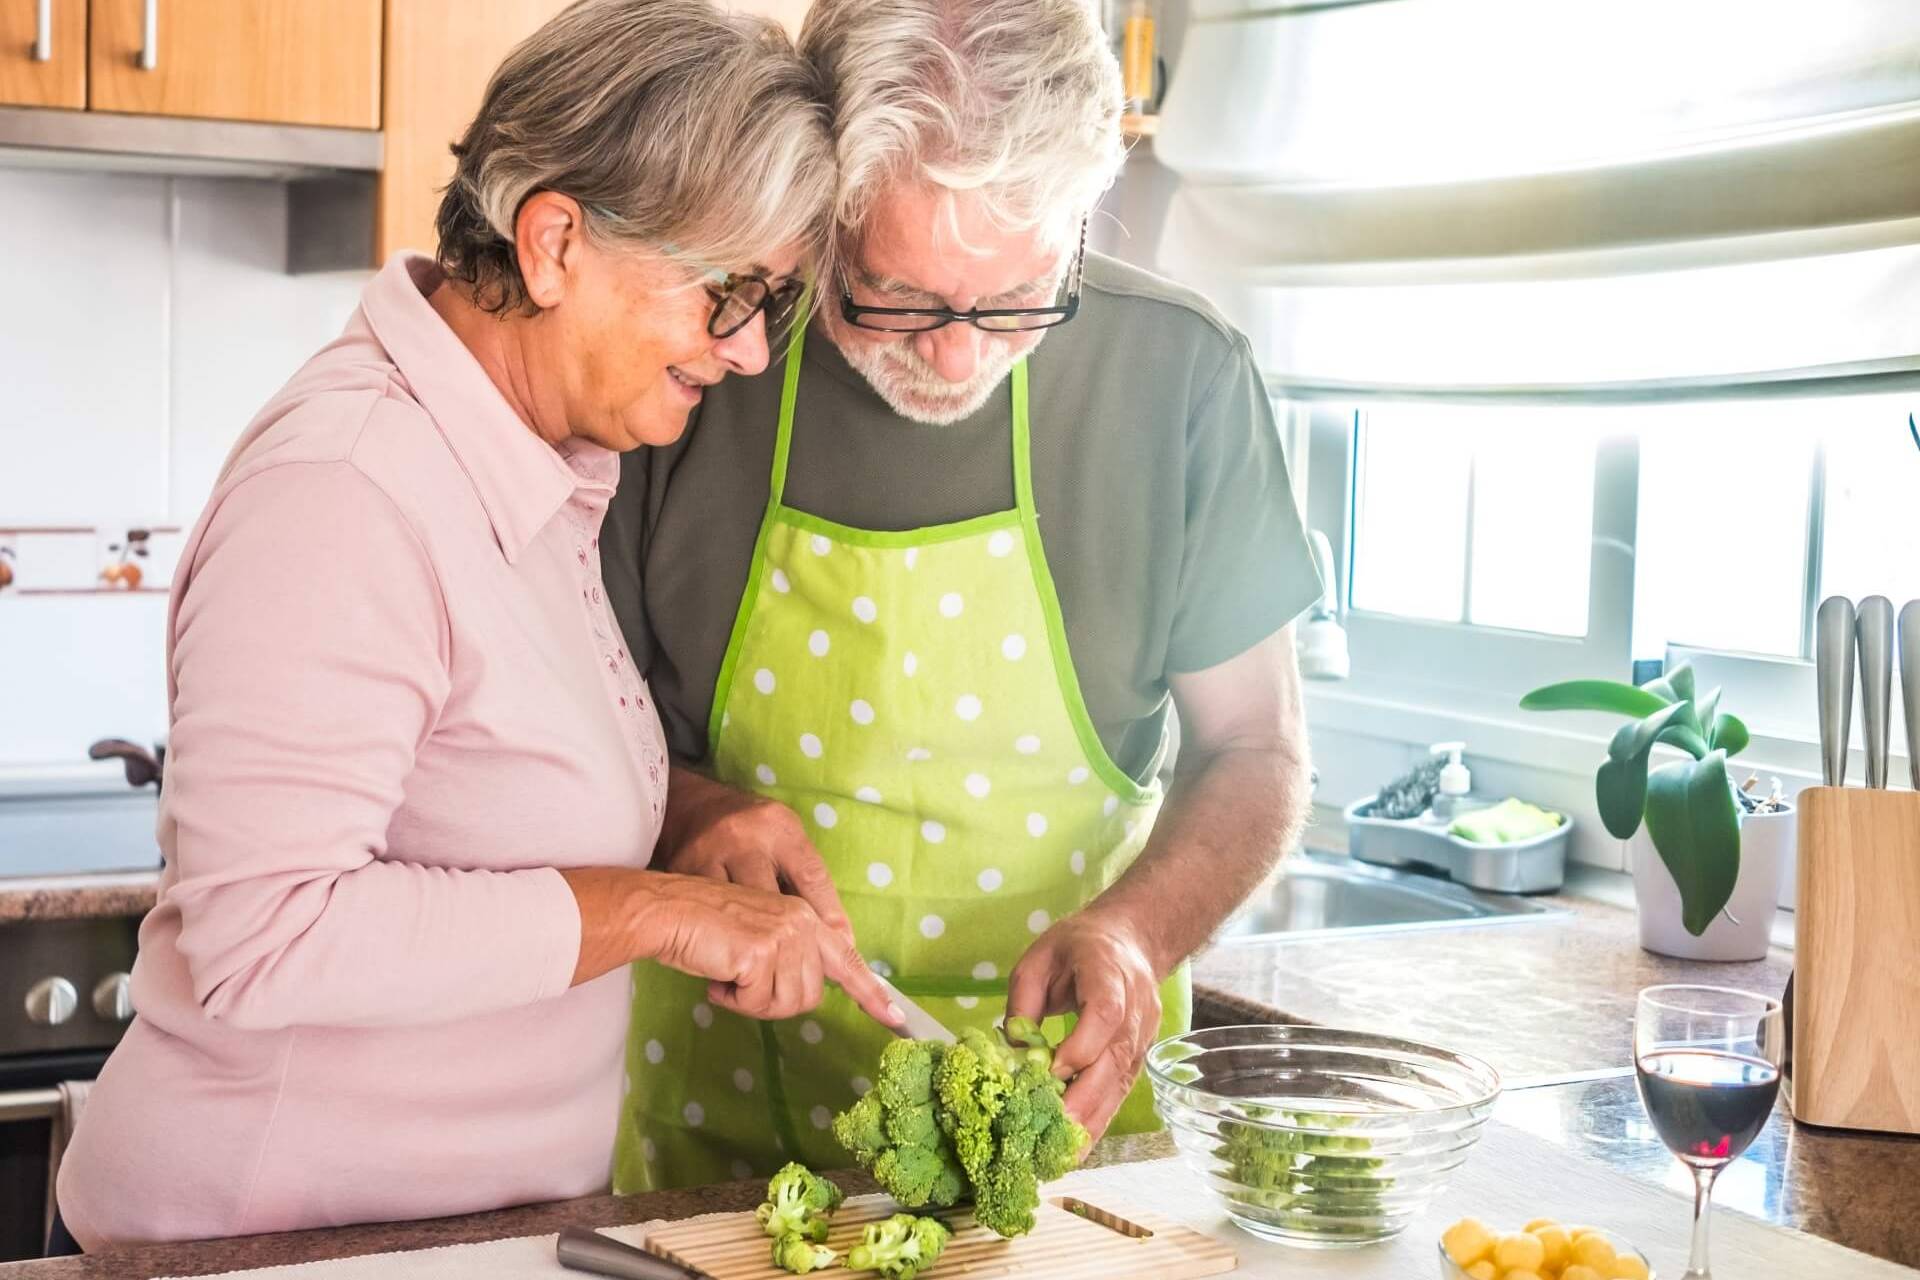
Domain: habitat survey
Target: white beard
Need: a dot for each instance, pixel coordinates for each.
(913, 390)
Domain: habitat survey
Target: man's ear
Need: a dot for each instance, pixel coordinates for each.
(548, 235)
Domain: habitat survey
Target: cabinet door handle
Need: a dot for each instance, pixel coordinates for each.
(43, 32)
(150, 35)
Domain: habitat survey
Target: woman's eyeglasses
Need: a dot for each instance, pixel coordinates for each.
(991, 319)
(738, 299)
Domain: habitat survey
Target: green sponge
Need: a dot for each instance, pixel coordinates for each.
(1507, 822)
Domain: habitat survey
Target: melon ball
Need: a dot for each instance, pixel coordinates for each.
(1484, 1270)
(1578, 1272)
(1467, 1242)
(1593, 1250)
(1555, 1241)
(1520, 1252)
(1628, 1266)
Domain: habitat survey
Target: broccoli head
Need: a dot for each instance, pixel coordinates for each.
(1001, 1107)
(797, 1253)
(895, 1130)
(797, 1204)
(900, 1247)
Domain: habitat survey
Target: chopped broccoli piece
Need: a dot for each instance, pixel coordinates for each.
(797, 1204)
(797, 1253)
(900, 1247)
(1309, 1174)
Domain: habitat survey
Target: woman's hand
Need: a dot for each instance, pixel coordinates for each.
(764, 954)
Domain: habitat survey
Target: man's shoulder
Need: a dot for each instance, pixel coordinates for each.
(1120, 295)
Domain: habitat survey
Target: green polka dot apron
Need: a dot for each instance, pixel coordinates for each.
(911, 697)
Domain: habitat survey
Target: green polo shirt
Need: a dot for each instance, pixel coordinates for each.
(1162, 496)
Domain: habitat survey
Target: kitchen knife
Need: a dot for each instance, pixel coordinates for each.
(919, 1025)
(1833, 643)
(1874, 626)
(582, 1250)
(1910, 685)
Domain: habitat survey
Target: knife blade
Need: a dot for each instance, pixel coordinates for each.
(1833, 628)
(1874, 628)
(1910, 685)
(919, 1024)
(582, 1250)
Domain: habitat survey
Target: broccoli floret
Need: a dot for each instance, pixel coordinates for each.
(799, 1254)
(900, 1247)
(797, 1204)
(1002, 1109)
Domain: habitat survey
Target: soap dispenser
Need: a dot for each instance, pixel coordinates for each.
(1455, 782)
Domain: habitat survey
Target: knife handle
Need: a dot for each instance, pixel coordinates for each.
(1875, 629)
(582, 1250)
(1910, 684)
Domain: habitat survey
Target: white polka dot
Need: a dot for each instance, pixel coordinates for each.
(910, 664)
(913, 556)
(932, 926)
(989, 879)
(821, 1117)
(932, 832)
(968, 707)
(986, 971)
(818, 643)
(742, 1170)
(861, 1086)
(1036, 825)
(1077, 862)
(864, 609)
(1000, 544)
(780, 582)
(1014, 648)
(695, 1113)
(1077, 775)
(763, 680)
(867, 795)
(648, 1151)
(820, 545)
(1027, 745)
(765, 774)
(826, 816)
(656, 1052)
(703, 1015)
(919, 753)
(879, 874)
(810, 1032)
(951, 604)
(978, 784)
(810, 746)
(862, 711)
(1038, 922)
(881, 967)
(967, 1002)
(743, 1079)
(1111, 807)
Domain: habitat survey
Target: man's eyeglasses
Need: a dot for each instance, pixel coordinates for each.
(991, 319)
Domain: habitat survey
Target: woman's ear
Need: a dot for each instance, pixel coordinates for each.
(549, 234)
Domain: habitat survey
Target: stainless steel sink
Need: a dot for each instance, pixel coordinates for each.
(1316, 894)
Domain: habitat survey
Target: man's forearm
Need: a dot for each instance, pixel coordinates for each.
(1228, 818)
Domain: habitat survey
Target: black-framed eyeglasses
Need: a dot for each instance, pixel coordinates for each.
(739, 298)
(991, 319)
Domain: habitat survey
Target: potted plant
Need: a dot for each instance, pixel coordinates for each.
(1708, 885)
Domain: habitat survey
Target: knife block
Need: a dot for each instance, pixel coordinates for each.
(1856, 999)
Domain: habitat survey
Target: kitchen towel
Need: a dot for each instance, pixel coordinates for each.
(1511, 1178)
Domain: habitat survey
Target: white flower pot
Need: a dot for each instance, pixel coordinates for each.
(1766, 843)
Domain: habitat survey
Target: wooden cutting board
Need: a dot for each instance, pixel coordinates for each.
(1071, 1240)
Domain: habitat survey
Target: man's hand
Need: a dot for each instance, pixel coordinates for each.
(725, 834)
(1093, 965)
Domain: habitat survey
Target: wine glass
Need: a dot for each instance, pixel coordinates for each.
(1707, 1060)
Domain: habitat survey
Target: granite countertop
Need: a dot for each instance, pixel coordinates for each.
(78, 897)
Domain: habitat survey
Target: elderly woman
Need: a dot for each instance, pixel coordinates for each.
(415, 779)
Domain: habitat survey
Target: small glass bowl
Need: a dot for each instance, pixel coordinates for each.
(1451, 1271)
(1316, 1136)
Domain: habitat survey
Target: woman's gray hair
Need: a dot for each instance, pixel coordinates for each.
(1016, 100)
(670, 122)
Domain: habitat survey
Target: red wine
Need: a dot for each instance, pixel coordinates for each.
(1708, 1107)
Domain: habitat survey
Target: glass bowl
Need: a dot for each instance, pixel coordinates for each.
(1449, 1270)
(1315, 1136)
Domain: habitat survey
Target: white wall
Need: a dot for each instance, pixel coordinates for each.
(146, 319)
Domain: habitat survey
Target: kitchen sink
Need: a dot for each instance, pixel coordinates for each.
(1316, 894)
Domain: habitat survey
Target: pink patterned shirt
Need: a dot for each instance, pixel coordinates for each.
(399, 701)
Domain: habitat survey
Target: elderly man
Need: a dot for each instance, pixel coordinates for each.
(918, 603)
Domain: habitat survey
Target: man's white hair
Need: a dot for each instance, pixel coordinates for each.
(1018, 101)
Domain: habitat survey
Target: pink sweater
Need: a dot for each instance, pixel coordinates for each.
(399, 702)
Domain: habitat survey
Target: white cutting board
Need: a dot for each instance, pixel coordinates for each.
(1511, 1177)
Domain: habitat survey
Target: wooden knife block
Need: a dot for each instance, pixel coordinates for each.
(1856, 997)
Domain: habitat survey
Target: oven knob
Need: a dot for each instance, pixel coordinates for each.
(113, 998)
(51, 1001)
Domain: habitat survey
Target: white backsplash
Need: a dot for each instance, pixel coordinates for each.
(148, 319)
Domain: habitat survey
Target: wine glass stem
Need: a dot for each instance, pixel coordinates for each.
(1702, 1207)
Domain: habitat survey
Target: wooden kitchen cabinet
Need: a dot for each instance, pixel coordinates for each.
(58, 80)
(313, 62)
